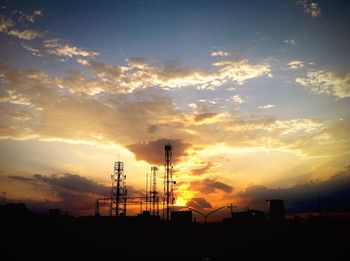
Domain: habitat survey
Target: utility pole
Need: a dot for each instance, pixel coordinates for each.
(231, 207)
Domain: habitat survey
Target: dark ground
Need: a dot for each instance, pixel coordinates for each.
(28, 237)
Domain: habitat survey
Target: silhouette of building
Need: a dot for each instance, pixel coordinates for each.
(276, 210)
(14, 210)
(54, 212)
(181, 216)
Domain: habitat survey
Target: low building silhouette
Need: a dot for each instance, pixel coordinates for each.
(276, 212)
(181, 216)
(54, 212)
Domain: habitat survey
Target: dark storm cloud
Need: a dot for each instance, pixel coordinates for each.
(334, 194)
(153, 151)
(198, 203)
(66, 181)
(74, 183)
(208, 186)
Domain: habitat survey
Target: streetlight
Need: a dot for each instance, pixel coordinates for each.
(205, 215)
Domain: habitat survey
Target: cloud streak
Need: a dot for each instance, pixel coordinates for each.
(200, 171)
(31, 49)
(296, 64)
(139, 73)
(266, 107)
(199, 203)
(220, 53)
(55, 47)
(323, 82)
(208, 186)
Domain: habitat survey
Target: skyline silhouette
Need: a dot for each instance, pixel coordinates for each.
(208, 130)
(253, 96)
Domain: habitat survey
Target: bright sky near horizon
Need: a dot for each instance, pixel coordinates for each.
(252, 95)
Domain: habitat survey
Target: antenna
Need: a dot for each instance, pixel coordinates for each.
(168, 183)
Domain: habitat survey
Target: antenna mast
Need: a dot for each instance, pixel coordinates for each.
(168, 182)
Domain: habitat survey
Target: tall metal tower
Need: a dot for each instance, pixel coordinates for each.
(118, 192)
(154, 207)
(168, 183)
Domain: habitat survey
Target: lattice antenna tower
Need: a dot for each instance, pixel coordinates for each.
(118, 192)
(168, 183)
(154, 207)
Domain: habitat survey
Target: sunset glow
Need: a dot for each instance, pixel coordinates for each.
(253, 108)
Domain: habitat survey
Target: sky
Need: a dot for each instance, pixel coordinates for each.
(253, 96)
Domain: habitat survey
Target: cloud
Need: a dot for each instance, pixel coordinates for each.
(7, 27)
(35, 105)
(139, 73)
(153, 151)
(266, 107)
(295, 64)
(290, 41)
(203, 170)
(220, 53)
(74, 183)
(25, 35)
(152, 128)
(5, 24)
(68, 192)
(208, 186)
(310, 7)
(52, 46)
(240, 71)
(334, 194)
(137, 62)
(105, 72)
(31, 49)
(199, 203)
(237, 99)
(202, 117)
(55, 47)
(66, 181)
(330, 83)
(27, 17)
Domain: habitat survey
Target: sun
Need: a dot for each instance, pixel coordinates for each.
(183, 196)
(180, 202)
